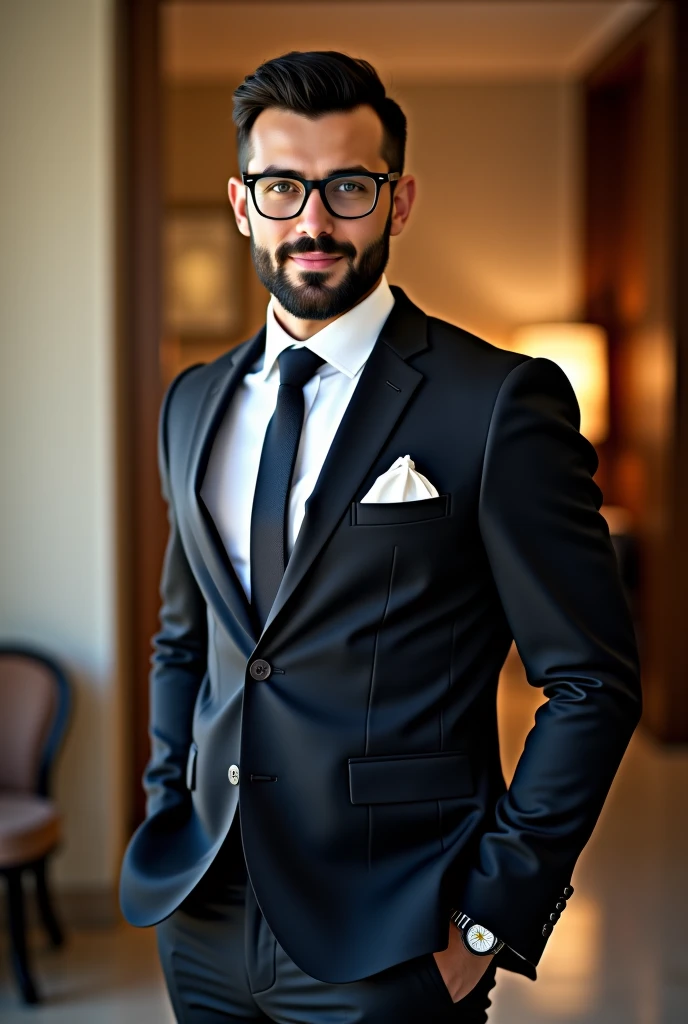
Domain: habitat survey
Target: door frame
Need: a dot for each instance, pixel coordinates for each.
(139, 217)
(139, 204)
(635, 161)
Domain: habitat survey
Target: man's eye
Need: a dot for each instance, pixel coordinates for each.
(281, 187)
(349, 186)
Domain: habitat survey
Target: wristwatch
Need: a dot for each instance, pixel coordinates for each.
(476, 938)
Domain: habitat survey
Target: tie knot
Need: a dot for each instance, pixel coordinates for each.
(297, 365)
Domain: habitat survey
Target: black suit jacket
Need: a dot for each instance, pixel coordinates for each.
(371, 795)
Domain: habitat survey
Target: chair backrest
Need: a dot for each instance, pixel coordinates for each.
(34, 707)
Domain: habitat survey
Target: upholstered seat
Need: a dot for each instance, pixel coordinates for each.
(29, 828)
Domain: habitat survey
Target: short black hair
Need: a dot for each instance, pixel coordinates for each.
(315, 82)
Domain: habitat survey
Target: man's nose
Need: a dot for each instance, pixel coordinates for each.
(314, 219)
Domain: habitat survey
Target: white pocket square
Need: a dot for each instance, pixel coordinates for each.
(401, 482)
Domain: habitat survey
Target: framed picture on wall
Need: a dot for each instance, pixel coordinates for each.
(204, 266)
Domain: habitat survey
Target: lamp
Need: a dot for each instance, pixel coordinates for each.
(581, 352)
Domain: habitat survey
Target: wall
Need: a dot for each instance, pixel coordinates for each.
(199, 154)
(57, 529)
(493, 241)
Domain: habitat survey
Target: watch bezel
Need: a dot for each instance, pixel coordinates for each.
(467, 942)
(464, 924)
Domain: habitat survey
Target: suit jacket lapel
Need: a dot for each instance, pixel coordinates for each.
(384, 389)
(231, 604)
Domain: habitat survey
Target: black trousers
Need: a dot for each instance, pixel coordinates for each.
(222, 963)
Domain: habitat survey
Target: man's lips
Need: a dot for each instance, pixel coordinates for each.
(315, 260)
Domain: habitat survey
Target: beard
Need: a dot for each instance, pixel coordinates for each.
(312, 298)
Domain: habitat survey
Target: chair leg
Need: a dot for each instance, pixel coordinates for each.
(45, 905)
(17, 922)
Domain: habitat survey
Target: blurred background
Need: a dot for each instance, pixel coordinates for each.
(550, 143)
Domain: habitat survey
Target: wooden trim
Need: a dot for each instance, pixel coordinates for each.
(141, 378)
(676, 716)
(622, 62)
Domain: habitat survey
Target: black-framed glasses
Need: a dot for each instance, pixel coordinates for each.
(282, 196)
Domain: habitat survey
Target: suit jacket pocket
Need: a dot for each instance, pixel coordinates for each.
(402, 778)
(191, 767)
(390, 513)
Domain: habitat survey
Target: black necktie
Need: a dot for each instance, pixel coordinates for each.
(275, 470)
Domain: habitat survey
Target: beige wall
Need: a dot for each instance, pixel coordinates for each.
(494, 237)
(199, 154)
(57, 556)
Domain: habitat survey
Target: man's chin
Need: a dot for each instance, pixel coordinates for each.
(309, 308)
(311, 294)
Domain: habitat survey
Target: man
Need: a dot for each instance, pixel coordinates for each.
(329, 835)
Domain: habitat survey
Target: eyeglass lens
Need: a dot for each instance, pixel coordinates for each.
(283, 197)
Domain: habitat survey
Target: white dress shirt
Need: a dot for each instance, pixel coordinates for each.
(230, 479)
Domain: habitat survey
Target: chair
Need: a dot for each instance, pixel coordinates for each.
(35, 700)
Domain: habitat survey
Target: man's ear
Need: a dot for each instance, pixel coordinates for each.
(404, 197)
(237, 192)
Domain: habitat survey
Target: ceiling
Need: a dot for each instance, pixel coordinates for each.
(406, 40)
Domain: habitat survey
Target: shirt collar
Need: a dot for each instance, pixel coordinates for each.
(345, 344)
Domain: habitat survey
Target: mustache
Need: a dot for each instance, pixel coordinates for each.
(326, 245)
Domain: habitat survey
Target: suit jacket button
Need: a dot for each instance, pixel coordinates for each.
(260, 669)
(233, 774)
(568, 891)
(546, 929)
(561, 905)
(554, 917)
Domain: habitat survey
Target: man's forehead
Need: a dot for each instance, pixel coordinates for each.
(314, 146)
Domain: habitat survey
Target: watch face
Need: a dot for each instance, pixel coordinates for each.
(479, 939)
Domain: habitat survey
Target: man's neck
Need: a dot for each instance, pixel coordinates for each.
(302, 330)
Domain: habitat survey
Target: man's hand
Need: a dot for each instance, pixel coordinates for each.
(460, 969)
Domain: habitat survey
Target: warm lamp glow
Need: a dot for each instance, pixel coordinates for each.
(581, 351)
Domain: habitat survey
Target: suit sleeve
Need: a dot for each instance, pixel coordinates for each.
(557, 579)
(179, 658)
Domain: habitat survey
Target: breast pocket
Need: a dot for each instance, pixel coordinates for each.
(394, 513)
